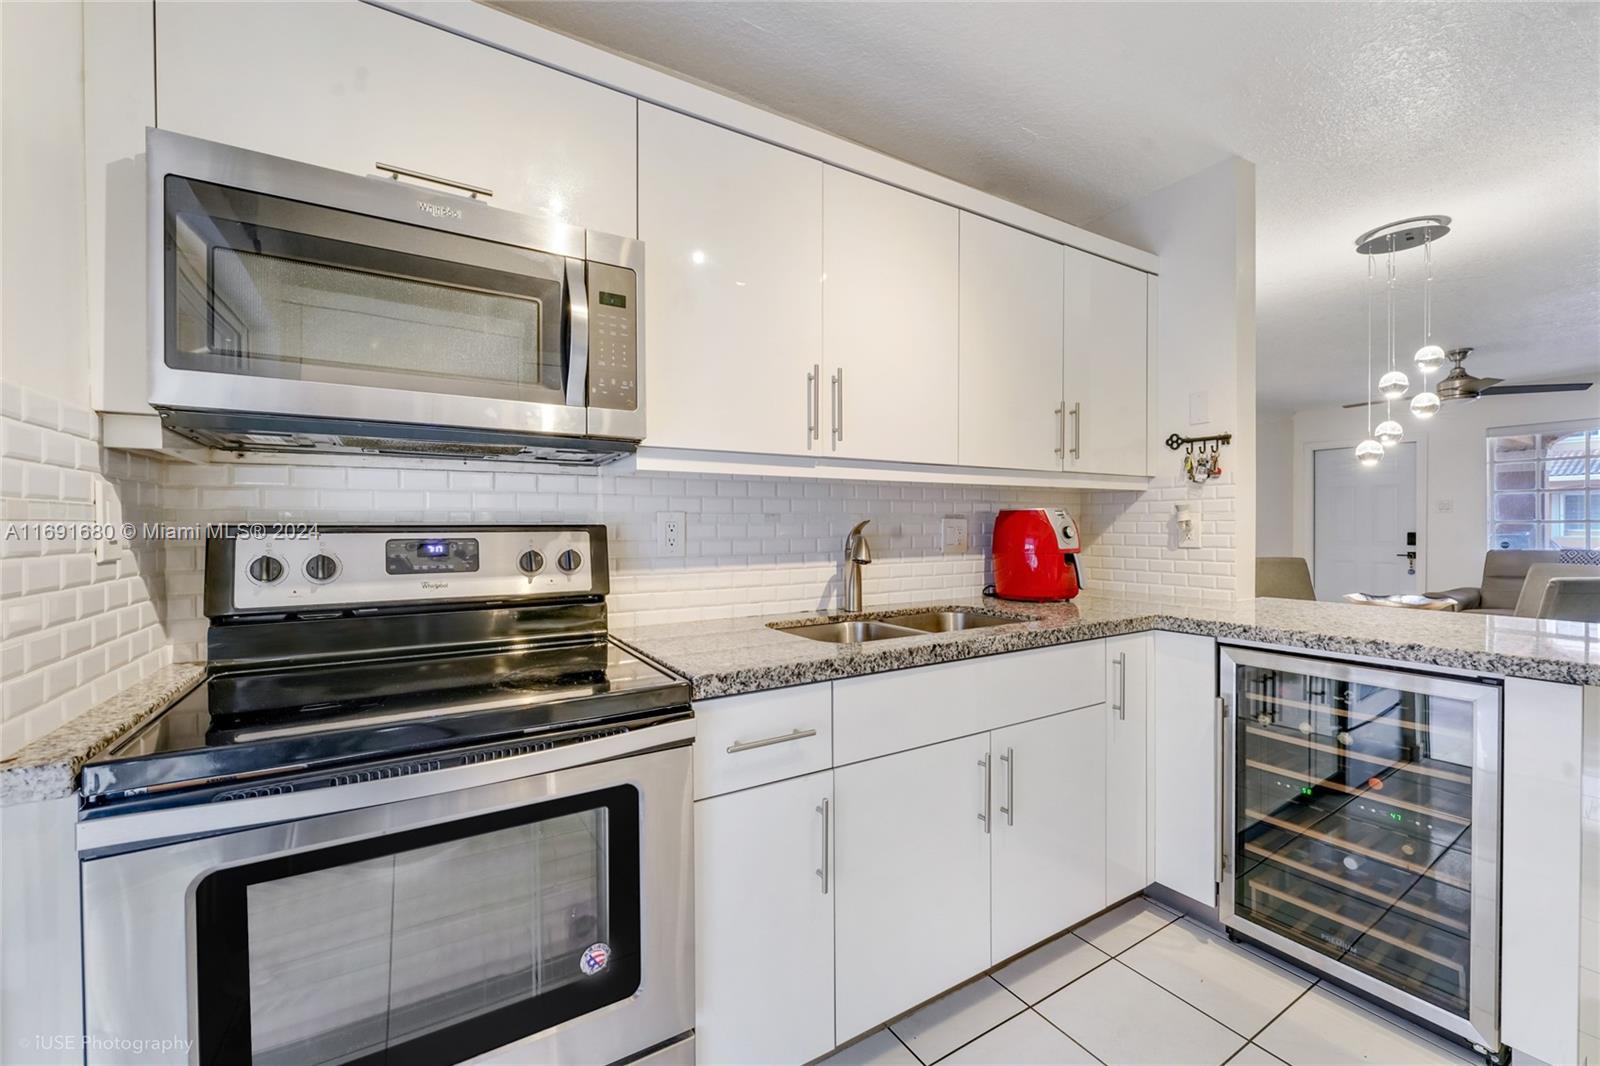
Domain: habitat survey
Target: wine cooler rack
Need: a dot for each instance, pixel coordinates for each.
(1362, 813)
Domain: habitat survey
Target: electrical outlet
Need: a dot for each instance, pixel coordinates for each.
(953, 534)
(672, 533)
(1186, 518)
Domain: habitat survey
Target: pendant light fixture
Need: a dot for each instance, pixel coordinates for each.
(1394, 384)
(1369, 451)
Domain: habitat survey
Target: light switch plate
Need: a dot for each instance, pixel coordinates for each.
(108, 516)
(1199, 408)
(1186, 517)
(953, 534)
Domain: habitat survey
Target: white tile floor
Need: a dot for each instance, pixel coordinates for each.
(1140, 984)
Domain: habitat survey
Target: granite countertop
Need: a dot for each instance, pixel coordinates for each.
(48, 768)
(726, 657)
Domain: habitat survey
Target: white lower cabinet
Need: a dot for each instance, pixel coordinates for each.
(1048, 857)
(912, 879)
(1187, 766)
(764, 917)
(1127, 753)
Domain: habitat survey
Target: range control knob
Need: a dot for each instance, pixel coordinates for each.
(1066, 532)
(265, 569)
(569, 561)
(322, 568)
(531, 562)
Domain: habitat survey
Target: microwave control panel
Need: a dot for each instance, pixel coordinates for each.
(613, 337)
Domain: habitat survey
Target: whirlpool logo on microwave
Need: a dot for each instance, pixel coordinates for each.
(439, 210)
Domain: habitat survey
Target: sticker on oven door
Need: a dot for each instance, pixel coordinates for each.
(594, 958)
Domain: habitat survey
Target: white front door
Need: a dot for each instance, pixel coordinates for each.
(1365, 523)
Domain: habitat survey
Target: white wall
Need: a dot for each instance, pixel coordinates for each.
(1203, 377)
(1275, 485)
(43, 303)
(1452, 475)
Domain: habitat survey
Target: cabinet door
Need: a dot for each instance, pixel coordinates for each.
(1106, 380)
(348, 85)
(733, 231)
(764, 923)
(1011, 322)
(1049, 840)
(890, 264)
(912, 910)
(1187, 760)
(1127, 778)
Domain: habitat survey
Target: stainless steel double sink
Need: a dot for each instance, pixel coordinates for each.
(888, 627)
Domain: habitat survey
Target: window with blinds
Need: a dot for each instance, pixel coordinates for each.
(1544, 486)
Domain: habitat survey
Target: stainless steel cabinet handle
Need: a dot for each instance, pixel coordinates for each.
(1077, 428)
(1120, 704)
(813, 403)
(838, 406)
(823, 871)
(984, 817)
(1009, 810)
(396, 173)
(1061, 431)
(767, 742)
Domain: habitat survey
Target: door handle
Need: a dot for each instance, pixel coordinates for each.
(1061, 431)
(823, 871)
(1222, 805)
(767, 742)
(813, 403)
(1009, 810)
(1120, 704)
(984, 815)
(838, 406)
(1077, 428)
(578, 334)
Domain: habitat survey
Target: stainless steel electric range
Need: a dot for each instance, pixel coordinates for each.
(421, 810)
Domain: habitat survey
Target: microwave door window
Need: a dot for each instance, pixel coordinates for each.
(274, 288)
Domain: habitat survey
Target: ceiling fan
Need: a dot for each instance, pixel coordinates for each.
(1459, 385)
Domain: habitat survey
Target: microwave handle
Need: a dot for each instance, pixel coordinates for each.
(577, 334)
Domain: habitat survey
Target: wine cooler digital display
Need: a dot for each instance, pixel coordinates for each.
(1363, 814)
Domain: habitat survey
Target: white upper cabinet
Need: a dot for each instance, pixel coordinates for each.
(890, 262)
(348, 85)
(733, 235)
(1011, 322)
(1106, 382)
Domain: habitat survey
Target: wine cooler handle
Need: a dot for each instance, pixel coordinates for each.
(1222, 785)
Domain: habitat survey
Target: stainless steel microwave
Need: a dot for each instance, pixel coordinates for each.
(297, 308)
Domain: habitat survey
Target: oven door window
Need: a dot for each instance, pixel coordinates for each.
(275, 288)
(425, 946)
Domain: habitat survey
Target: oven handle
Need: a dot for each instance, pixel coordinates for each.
(112, 833)
(577, 334)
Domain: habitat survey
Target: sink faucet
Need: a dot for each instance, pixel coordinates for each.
(856, 554)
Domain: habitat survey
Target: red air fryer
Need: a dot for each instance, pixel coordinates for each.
(1036, 555)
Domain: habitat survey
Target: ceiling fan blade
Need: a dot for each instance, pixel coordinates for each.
(1522, 390)
(1366, 403)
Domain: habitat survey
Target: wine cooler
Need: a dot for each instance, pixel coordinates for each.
(1362, 814)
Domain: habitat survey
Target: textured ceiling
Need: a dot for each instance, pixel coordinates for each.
(1354, 114)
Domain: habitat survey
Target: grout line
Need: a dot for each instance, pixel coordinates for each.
(1185, 1002)
(1066, 1034)
(992, 1028)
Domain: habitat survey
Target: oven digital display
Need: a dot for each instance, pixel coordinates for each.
(613, 299)
(456, 555)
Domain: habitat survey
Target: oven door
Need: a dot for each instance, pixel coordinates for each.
(543, 917)
(282, 288)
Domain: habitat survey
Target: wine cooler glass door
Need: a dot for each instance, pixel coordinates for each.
(1364, 837)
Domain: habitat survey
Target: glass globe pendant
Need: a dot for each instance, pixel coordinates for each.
(1388, 433)
(1429, 358)
(1425, 404)
(1368, 452)
(1393, 385)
